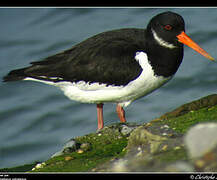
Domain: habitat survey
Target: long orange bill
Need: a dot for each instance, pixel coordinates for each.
(185, 39)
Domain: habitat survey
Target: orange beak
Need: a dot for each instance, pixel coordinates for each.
(185, 39)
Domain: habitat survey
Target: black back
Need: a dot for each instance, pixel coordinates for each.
(105, 58)
(109, 57)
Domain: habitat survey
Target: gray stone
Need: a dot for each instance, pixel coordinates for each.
(141, 137)
(70, 146)
(126, 130)
(201, 139)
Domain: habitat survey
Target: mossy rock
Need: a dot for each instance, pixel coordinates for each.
(102, 146)
(101, 150)
(187, 115)
(154, 146)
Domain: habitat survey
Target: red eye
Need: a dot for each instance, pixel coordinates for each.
(168, 27)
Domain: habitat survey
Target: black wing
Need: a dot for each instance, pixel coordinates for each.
(104, 58)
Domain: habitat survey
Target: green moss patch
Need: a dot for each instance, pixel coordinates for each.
(184, 122)
(105, 145)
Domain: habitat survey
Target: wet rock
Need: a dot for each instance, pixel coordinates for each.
(127, 129)
(142, 138)
(201, 142)
(137, 163)
(201, 139)
(70, 146)
(147, 163)
(148, 147)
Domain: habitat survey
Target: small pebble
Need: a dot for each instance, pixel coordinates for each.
(199, 163)
(68, 158)
(38, 166)
(177, 148)
(148, 124)
(164, 127)
(164, 148)
(79, 151)
(124, 149)
(164, 134)
(85, 146)
(170, 135)
(119, 137)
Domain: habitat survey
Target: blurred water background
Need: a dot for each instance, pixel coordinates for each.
(36, 119)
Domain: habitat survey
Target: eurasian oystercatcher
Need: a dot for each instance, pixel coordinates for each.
(117, 66)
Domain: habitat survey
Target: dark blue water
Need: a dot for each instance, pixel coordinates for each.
(37, 119)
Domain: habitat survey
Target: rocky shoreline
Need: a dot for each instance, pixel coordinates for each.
(184, 140)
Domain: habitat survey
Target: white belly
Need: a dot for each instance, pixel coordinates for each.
(124, 95)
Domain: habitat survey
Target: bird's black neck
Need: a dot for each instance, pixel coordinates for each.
(165, 61)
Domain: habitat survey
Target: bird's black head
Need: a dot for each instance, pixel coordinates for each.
(168, 30)
(165, 28)
(164, 39)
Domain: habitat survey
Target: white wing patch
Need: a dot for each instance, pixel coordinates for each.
(101, 93)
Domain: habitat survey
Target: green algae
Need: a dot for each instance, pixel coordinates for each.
(105, 145)
(183, 122)
(205, 102)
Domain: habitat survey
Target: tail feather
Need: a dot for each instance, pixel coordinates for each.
(15, 75)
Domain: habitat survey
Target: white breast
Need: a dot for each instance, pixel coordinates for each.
(124, 95)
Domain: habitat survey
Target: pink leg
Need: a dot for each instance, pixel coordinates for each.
(100, 115)
(121, 113)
